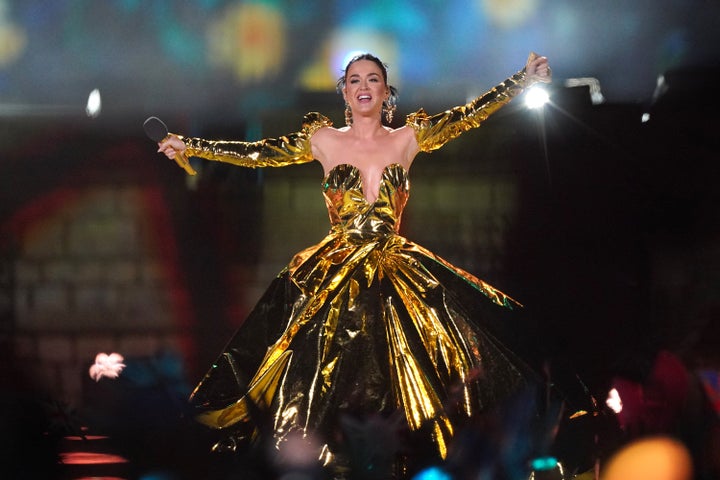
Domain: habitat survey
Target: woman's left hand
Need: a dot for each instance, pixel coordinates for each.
(537, 69)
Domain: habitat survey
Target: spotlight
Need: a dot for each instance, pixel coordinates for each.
(614, 401)
(94, 104)
(536, 97)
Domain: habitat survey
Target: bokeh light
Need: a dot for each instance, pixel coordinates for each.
(13, 39)
(94, 104)
(509, 13)
(250, 40)
(339, 48)
(433, 473)
(184, 56)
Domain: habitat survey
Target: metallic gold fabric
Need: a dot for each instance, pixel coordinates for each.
(270, 152)
(432, 132)
(365, 322)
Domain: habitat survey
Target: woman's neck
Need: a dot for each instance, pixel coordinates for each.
(366, 127)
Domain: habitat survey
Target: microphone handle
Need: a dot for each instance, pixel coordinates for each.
(182, 160)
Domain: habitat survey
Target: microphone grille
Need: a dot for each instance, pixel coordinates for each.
(155, 129)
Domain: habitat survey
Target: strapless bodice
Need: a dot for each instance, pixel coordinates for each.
(351, 213)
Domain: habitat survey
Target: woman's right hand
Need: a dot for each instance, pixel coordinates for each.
(174, 149)
(171, 146)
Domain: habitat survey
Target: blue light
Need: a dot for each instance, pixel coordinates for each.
(432, 473)
(349, 56)
(544, 463)
(158, 475)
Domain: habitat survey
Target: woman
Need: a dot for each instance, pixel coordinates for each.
(365, 322)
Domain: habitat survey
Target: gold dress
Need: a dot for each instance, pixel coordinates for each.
(365, 322)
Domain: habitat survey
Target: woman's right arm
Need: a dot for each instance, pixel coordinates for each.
(290, 149)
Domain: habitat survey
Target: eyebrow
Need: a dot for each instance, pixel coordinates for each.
(369, 74)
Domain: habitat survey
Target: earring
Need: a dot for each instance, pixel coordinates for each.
(389, 109)
(348, 115)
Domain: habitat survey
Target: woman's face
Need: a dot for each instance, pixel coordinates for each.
(365, 88)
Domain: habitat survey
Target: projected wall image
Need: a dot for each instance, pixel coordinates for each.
(259, 54)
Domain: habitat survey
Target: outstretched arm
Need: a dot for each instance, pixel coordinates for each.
(270, 152)
(432, 132)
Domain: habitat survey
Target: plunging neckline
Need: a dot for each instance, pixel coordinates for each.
(363, 189)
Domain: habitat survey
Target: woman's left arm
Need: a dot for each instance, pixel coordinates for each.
(432, 132)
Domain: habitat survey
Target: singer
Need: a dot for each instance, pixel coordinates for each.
(365, 324)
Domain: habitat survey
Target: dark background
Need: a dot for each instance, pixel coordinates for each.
(599, 215)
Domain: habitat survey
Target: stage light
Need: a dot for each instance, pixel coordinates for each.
(544, 463)
(349, 56)
(109, 366)
(546, 468)
(613, 401)
(94, 104)
(536, 97)
(432, 473)
(346, 43)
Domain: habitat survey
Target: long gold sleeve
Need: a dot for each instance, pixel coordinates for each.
(432, 132)
(291, 149)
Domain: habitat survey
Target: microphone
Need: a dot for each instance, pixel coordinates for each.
(158, 131)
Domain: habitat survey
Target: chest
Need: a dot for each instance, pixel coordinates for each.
(369, 157)
(379, 152)
(345, 177)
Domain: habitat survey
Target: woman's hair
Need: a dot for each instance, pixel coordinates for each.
(392, 99)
